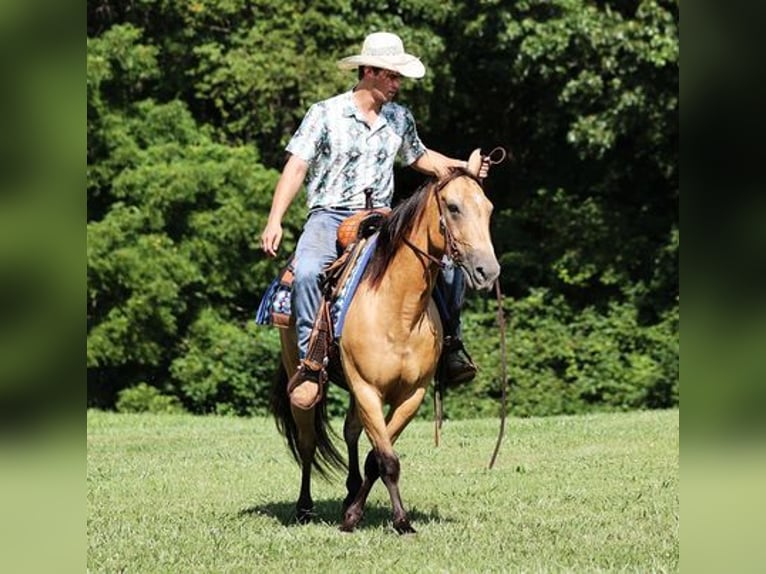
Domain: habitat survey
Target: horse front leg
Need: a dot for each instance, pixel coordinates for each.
(369, 415)
(386, 466)
(304, 420)
(388, 462)
(389, 467)
(355, 510)
(352, 428)
(382, 461)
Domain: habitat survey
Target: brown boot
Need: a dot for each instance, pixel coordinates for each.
(459, 368)
(305, 387)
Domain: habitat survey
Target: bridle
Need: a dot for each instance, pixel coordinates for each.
(451, 245)
(496, 156)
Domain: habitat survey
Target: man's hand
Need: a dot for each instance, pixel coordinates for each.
(479, 164)
(484, 168)
(288, 186)
(271, 238)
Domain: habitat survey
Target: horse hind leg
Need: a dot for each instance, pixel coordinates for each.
(296, 425)
(306, 446)
(352, 429)
(315, 450)
(298, 429)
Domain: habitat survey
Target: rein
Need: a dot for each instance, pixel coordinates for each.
(439, 389)
(504, 370)
(496, 156)
(419, 251)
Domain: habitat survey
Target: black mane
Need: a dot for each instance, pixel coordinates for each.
(400, 222)
(394, 229)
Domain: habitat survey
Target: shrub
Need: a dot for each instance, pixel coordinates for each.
(144, 398)
(566, 361)
(225, 368)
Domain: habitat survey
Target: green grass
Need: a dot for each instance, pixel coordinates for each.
(177, 493)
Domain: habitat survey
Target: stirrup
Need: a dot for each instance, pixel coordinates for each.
(307, 373)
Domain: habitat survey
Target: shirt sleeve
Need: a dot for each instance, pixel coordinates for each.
(412, 148)
(306, 140)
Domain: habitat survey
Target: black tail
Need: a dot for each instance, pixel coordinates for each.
(327, 457)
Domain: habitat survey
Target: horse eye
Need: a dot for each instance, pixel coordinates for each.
(452, 208)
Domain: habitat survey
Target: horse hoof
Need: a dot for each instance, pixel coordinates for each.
(404, 527)
(350, 520)
(347, 502)
(304, 515)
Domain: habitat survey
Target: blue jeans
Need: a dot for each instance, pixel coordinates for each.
(317, 248)
(451, 287)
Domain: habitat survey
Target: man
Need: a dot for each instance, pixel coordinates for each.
(345, 148)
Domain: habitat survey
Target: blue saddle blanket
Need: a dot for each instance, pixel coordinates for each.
(277, 298)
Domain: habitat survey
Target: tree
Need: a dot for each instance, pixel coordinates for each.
(190, 106)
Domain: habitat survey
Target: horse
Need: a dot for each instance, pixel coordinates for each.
(391, 341)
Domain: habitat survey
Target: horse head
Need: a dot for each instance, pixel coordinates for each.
(465, 224)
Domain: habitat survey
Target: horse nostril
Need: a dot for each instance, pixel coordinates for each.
(481, 272)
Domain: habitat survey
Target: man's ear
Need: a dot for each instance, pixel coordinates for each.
(474, 162)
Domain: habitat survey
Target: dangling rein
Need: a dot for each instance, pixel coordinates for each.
(438, 410)
(496, 156)
(504, 371)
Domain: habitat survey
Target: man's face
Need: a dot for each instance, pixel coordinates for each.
(387, 83)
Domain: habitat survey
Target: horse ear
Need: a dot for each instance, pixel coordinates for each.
(474, 162)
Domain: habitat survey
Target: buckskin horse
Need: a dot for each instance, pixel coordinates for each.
(391, 340)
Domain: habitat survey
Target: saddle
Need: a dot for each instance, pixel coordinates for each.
(275, 307)
(356, 238)
(360, 226)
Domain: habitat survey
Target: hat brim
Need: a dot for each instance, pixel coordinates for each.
(406, 64)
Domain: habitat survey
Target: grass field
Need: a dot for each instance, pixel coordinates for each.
(177, 493)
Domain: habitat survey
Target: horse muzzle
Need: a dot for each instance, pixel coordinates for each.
(481, 271)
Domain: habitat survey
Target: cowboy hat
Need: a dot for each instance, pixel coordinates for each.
(385, 50)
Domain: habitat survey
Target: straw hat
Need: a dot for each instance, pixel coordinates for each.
(385, 50)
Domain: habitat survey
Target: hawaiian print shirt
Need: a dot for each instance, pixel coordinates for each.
(347, 157)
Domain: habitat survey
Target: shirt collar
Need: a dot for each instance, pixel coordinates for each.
(349, 107)
(350, 110)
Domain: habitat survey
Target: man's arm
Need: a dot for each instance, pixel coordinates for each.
(288, 186)
(438, 165)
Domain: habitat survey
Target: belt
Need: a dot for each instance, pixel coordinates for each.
(341, 209)
(346, 209)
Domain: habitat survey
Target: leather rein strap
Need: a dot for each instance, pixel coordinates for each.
(454, 254)
(504, 371)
